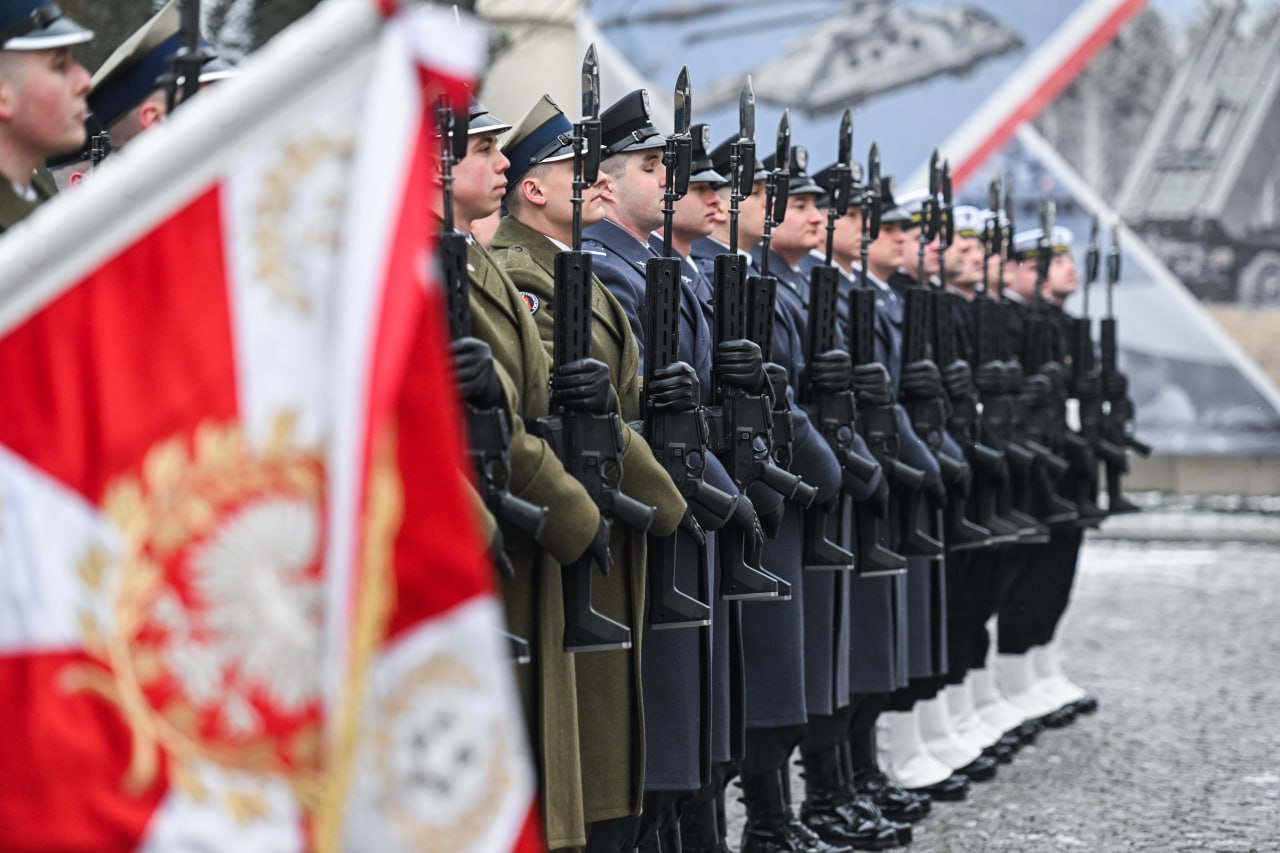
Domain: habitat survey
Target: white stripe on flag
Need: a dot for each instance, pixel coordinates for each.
(46, 534)
(442, 751)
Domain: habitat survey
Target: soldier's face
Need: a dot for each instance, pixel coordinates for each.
(964, 262)
(847, 241)
(1064, 278)
(888, 251)
(42, 102)
(801, 230)
(751, 216)
(555, 181)
(479, 179)
(636, 193)
(1024, 280)
(696, 213)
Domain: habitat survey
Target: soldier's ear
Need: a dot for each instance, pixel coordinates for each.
(531, 191)
(150, 113)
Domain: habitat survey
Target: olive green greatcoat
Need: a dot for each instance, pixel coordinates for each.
(533, 599)
(14, 208)
(610, 709)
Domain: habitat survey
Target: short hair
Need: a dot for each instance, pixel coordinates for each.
(513, 201)
(615, 165)
(12, 67)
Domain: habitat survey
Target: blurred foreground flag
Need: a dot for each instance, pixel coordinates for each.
(243, 602)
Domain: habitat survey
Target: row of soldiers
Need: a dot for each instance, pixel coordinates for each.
(760, 452)
(809, 471)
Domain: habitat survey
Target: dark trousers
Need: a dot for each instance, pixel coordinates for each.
(1038, 593)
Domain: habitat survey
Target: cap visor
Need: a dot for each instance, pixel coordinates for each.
(806, 187)
(63, 32)
(657, 141)
(486, 124)
(707, 176)
(895, 214)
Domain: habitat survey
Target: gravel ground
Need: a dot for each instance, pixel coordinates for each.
(1181, 645)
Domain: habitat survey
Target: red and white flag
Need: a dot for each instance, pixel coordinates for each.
(243, 601)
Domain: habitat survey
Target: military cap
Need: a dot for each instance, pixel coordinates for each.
(890, 211)
(913, 203)
(798, 179)
(970, 222)
(1026, 244)
(133, 71)
(480, 120)
(38, 25)
(826, 179)
(701, 169)
(544, 135)
(626, 126)
(720, 162)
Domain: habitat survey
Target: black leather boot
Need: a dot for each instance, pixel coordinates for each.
(829, 811)
(770, 826)
(700, 829)
(894, 801)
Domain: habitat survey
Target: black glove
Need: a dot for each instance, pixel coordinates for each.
(498, 550)
(778, 382)
(920, 381)
(690, 525)
(744, 517)
(1055, 373)
(1036, 390)
(871, 384)
(674, 388)
(477, 378)
(598, 551)
(936, 493)
(957, 378)
(584, 386)
(738, 363)
(1087, 387)
(771, 521)
(990, 378)
(1116, 386)
(1013, 377)
(831, 371)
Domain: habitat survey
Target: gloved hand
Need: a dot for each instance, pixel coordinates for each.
(831, 371)
(690, 525)
(598, 550)
(1036, 390)
(1088, 387)
(771, 521)
(674, 388)
(1055, 373)
(1013, 377)
(477, 378)
(584, 386)
(1116, 386)
(920, 380)
(738, 363)
(744, 517)
(871, 384)
(779, 382)
(990, 378)
(957, 378)
(498, 551)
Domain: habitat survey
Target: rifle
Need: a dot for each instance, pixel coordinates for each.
(1045, 416)
(1119, 422)
(962, 532)
(183, 72)
(877, 422)
(832, 413)
(588, 443)
(489, 428)
(741, 421)
(678, 439)
(927, 414)
(993, 351)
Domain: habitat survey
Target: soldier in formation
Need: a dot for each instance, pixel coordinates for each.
(713, 576)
